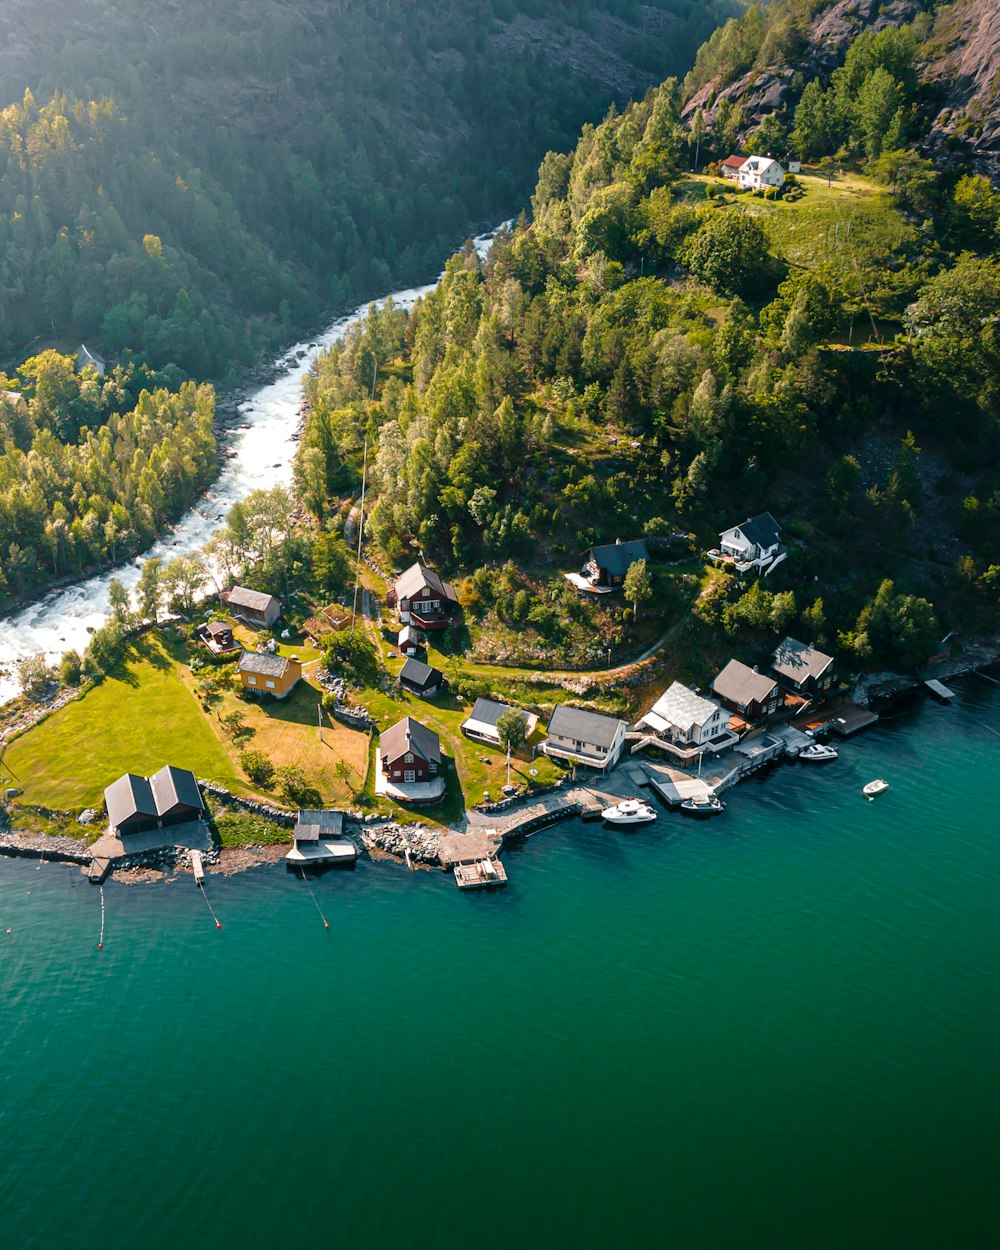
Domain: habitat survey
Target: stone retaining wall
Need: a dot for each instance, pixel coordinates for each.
(280, 815)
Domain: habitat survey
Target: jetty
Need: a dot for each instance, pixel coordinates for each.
(198, 868)
(484, 874)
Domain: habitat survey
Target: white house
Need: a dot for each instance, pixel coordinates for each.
(753, 544)
(758, 172)
(582, 737)
(681, 718)
(481, 722)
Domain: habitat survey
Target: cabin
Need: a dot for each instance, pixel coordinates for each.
(423, 599)
(409, 640)
(753, 544)
(217, 636)
(804, 669)
(139, 804)
(685, 718)
(409, 763)
(318, 838)
(582, 737)
(262, 672)
(742, 689)
(481, 723)
(604, 567)
(731, 166)
(86, 359)
(253, 606)
(420, 678)
(758, 172)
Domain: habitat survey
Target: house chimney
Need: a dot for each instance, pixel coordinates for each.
(618, 542)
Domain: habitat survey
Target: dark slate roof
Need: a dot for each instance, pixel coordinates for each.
(616, 557)
(255, 599)
(797, 661)
(416, 577)
(582, 726)
(762, 530)
(313, 825)
(174, 787)
(263, 664)
(489, 711)
(419, 674)
(129, 796)
(409, 735)
(741, 684)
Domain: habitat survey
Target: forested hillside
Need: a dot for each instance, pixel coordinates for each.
(193, 182)
(657, 354)
(775, 79)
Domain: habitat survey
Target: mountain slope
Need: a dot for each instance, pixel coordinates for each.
(758, 65)
(249, 165)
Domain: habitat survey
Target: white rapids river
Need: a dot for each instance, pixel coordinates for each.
(261, 452)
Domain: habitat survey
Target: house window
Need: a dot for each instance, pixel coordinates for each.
(408, 759)
(251, 681)
(433, 768)
(409, 775)
(269, 683)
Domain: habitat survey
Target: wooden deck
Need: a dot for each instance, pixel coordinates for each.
(486, 874)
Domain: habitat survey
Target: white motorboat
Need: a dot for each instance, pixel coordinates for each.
(818, 753)
(874, 787)
(703, 805)
(629, 812)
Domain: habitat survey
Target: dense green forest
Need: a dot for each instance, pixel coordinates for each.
(655, 353)
(93, 469)
(191, 184)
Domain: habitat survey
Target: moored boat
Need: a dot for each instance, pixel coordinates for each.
(818, 753)
(875, 787)
(703, 805)
(629, 812)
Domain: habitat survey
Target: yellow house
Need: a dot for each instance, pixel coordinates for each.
(264, 673)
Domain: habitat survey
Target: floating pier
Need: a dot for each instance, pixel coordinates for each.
(198, 868)
(99, 869)
(484, 874)
(851, 719)
(939, 690)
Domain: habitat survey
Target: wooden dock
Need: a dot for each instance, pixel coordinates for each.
(538, 817)
(851, 719)
(484, 874)
(198, 868)
(100, 866)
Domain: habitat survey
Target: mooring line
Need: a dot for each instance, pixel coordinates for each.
(989, 727)
(312, 892)
(100, 943)
(208, 904)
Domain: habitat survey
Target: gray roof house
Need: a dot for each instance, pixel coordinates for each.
(804, 668)
(253, 606)
(686, 723)
(86, 359)
(754, 543)
(606, 566)
(420, 678)
(746, 691)
(582, 737)
(481, 723)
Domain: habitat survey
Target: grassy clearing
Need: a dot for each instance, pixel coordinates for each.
(472, 768)
(135, 721)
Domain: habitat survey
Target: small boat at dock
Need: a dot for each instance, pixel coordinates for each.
(629, 812)
(703, 805)
(875, 787)
(818, 753)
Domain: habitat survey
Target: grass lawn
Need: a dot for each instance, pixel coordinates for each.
(136, 721)
(287, 732)
(472, 767)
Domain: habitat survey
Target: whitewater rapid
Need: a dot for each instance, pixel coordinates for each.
(260, 454)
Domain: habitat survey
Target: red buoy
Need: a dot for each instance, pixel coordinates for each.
(218, 925)
(100, 946)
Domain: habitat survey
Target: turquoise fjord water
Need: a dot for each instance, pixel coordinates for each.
(777, 1029)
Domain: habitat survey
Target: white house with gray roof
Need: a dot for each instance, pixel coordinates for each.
(687, 723)
(753, 544)
(758, 172)
(582, 737)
